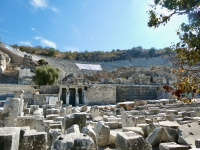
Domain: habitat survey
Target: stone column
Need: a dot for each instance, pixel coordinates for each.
(76, 97)
(19, 94)
(67, 95)
(83, 95)
(60, 93)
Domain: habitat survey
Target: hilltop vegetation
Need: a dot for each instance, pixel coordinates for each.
(114, 55)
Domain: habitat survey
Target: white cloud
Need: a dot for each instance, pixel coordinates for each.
(54, 9)
(39, 3)
(71, 48)
(42, 4)
(46, 42)
(26, 43)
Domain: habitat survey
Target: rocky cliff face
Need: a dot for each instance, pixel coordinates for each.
(4, 62)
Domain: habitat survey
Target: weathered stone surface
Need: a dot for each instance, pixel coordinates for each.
(9, 138)
(75, 110)
(78, 118)
(131, 141)
(52, 116)
(171, 112)
(145, 129)
(188, 133)
(169, 135)
(90, 132)
(197, 143)
(62, 112)
(171, 124)
(26, 111)
(153, 111)
(95, 111)
(33, 140)
(58, 104)
(154, 138)
(137, 130)
(38, 112)
(126, 104)
(113, 124)
(56, 126)
(62, 119)
(111, 119)
(19, 94)
(97, 118)
(35, 122)
(47, 122)
(73, 129)
(172, 146)
(127, 121)
(11, 108)
(52, 111)
(45, 107)
(84, 108)
(112, 138)
(73, 141)
(33, 108)
(53, 134)
(102, 131)
(68, 109)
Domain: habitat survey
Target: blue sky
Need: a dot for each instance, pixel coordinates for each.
(80, 25)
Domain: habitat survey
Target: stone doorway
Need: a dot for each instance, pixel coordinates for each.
(72, 96)
(80, 93)
(63, 96)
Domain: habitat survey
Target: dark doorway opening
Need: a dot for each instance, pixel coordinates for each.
(63, 96)
(72, 96)
(80, 96)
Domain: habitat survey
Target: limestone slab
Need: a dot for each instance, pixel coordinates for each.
(131, 141)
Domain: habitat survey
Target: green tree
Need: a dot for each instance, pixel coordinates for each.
(45, 75)
(187, 57)
(152, 52)
(51, 52)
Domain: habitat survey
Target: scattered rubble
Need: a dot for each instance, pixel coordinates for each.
(127, 125)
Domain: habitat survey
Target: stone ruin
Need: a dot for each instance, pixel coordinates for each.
(135, 125)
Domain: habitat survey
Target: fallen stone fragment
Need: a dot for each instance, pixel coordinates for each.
(90, 132)
(9, 138)
(197, 143)
(170, 124)
(77, 118)
(188, 133)
(97, 119)
(154, 138)
(73, 129)
(113, 135)
(169, 135)
(127, 120)
(33, 140)
(95, 111)
(102, 131)
(33, 108)
(131, 141)
(11, 111)
(172, 146)
(113, 124)
(73, 141)
(137, 130)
